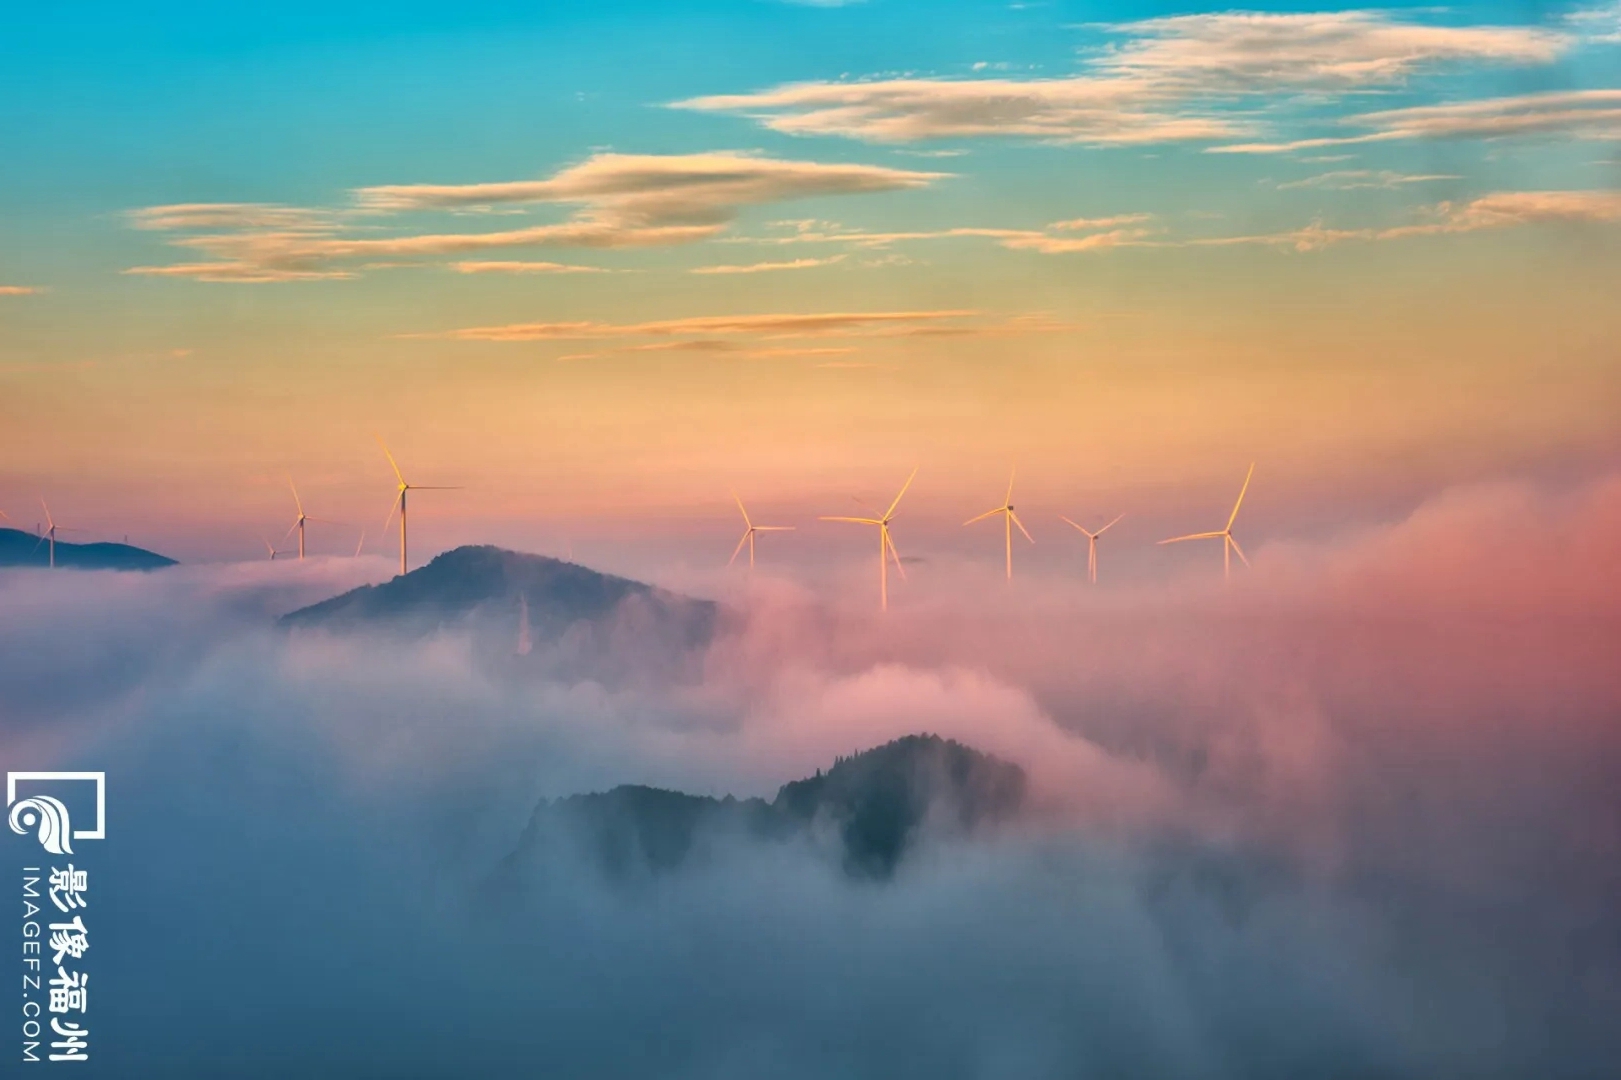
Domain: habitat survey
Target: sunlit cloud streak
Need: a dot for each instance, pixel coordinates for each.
(625, 201)
(773, 325)
(1168, 81)
(1364, 179)
(1593, 114)
(512, 267)
(766, 267)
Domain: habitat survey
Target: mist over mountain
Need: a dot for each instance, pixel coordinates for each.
(19, 548)
(867, 812)
(535, 613)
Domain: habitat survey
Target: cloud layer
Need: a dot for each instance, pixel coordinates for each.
(1357, 810)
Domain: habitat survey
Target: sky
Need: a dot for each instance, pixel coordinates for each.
(602, 265)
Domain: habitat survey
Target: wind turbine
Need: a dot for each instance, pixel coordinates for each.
(1092, 545)
(399, 500)
(50, 533)
(1010, 519)
(298, 522)
(269, 547)
(1228, 544)
(749, 529)
(886, 546)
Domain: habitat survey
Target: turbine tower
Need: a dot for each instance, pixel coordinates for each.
(399, 500)
(49, 535)
(886, 546)
(749, 529)
(1092, 545)
(1229, 546)
(1010, 519)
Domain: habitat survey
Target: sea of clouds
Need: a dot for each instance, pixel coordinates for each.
(1357, 813)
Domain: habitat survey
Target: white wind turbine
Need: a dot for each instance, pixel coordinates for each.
(1010, 519)
(1092, 545)
(49, 535)
(886, 545)
(298, 522)
(749, 529)
(399, 500)
(270, 548)
(1229, 546)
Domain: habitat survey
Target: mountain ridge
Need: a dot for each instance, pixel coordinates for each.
(869, 810)
(19, 548)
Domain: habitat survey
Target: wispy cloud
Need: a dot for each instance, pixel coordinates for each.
(237, 272)
(1358, 179)
(1495, 211)
(1582, 113)
(766, 267)
(512, 267)
(770, 325)
(646, 189)
(1114, 231)
(20, 290)
(623, 201)
(189, 216)
(1167, 81)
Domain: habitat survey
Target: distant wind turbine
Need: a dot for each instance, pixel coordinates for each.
(749, 529)
(886, 545)
(399, 500)
(49, 535)
(270, 548)
(1229, 546)
(1010, 519)
(525, 645)
(298, 522)
(1092, 545)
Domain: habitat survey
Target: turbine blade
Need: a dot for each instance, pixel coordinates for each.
(744, 512)
(47, 509)
(889, 542)
(392, 463)
(1015, 518)
(1109, 526)
(296, 501)
(735, 551)
(1234, 515)
(1193, 536)
(360, 543)
(858, 521)
(774, 528)
(1007, 499)
(395, 505)
(891, 511)
(986, 514)
(436, 487)
(1072, 525)
(288, 533)
(1237, 549)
